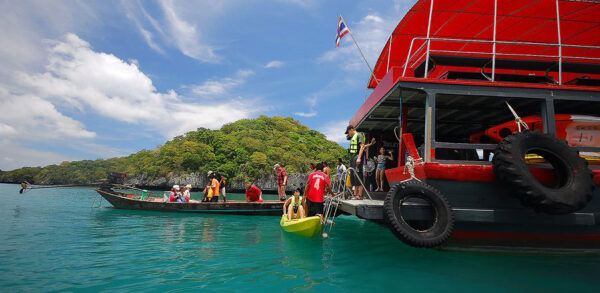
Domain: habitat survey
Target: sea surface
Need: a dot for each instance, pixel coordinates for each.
(53, 240)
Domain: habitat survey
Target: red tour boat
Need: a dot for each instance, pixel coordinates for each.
(449, 90)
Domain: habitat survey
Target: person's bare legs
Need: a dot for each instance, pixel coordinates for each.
(381, 176)
(290, 212)
(377, 176)
(301, 213)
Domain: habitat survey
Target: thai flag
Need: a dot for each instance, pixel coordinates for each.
(342, 30)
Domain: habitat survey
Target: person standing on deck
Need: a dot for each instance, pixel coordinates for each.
(326, 169)
(222, 183)
(281, 181)
(341, 168)
(314, 191)
(357, 148)
(214, 186)
(380, 172)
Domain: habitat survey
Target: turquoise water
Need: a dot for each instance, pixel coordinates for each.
(51, 240)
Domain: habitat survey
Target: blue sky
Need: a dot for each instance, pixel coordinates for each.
(88, 80)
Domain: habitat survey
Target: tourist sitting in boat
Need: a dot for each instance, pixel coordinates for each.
(293, 208)
(253, 193)
(186, 193)
(174, 194)
(316, 185)
(207, 194)
(380, 171)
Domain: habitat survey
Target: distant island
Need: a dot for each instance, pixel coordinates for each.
(243, 151)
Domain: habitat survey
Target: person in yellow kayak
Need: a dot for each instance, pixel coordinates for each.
(293, 206)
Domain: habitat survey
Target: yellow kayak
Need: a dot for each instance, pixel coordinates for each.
(307, 227)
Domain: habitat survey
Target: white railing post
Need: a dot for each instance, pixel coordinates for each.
(428, 40)
(559, 45)
(494, 44)
(408, 57)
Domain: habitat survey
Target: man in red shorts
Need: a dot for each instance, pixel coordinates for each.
(253, 193)
(281, 181)
(315, 188)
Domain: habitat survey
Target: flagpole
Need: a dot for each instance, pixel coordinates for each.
(360, 51)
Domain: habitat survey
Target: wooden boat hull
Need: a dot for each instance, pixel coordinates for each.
(133, 202)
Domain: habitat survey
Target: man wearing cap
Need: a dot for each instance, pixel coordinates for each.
(281, 181)
(222, 183)
(357, 146)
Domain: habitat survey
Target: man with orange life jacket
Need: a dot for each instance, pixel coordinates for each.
(222, 183)
(314, 192)
(213, 186)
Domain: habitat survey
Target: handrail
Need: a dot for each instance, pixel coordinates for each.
(410, 57)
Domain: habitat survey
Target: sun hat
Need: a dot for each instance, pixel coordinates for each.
(176, 187)
(275, 166)
(188, 186)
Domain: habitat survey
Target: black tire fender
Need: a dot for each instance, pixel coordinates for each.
(443, 224)
(574, 186)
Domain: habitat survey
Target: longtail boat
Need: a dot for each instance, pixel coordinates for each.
(122, 200)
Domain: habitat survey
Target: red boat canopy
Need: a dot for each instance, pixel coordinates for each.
(462, 34)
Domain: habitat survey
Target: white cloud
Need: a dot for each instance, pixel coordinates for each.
(334, 131)
(219, 88)
(30, 117)
(13, 156)
(182, 25)
(371, 33)
(81, 78)
(306, 114)
(274, 64)
(187, 38)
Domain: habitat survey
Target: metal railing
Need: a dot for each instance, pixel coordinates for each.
(411, 62)
(428, 39)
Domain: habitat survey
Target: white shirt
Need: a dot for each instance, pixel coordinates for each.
(340, 169)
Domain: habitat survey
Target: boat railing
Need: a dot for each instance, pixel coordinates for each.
(424, 51)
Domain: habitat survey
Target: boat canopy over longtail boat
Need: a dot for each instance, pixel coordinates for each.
(493, 108)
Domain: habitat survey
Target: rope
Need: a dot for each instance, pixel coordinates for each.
(517, 118)
(410, 165)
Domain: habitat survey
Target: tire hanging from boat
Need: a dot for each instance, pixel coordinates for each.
(443, 223)
(573, 187)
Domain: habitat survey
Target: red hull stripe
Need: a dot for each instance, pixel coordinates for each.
(461, 234)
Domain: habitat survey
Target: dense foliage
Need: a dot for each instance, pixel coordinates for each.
(243, 150)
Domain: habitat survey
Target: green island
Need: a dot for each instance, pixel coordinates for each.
(244, 150)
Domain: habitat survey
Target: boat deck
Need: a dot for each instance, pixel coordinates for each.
(372, 209)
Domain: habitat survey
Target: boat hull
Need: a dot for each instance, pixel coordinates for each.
(133, 202)
(306, 227)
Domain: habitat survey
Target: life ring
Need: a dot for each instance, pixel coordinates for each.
(443, 217)
(573, 187)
